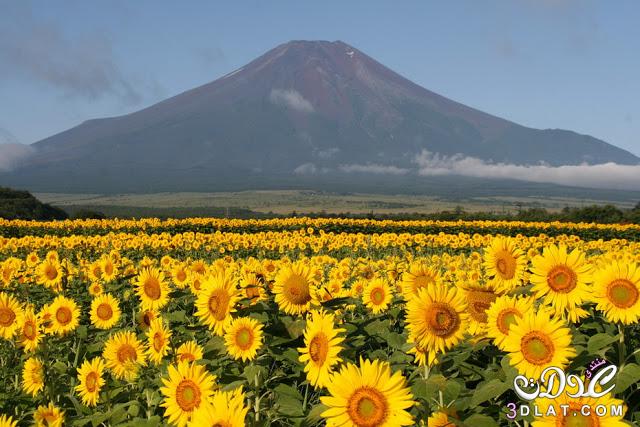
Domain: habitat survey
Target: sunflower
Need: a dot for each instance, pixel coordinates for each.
(186, 390)
(561, 279)
(95, 289)
(216, 301)
(189, 351)
(90, 381)
(252, 286)
(7, 421)
(418, 276)
(65, 315)
(377, 296)
(11, 315)
(48, 416)
(617, 292)
(322, 345)
(478, 302)
(243, 338)
(368, 395)
(440, 419)
(504, 312)
(226, 408)
(105, 311)
(33, 376)
(574, 410)
(145, 317)
(437, 319)
(30, 333)
(505, 263)
(420, 354)
(537, 341)
(49, 274)
(158, 341)
(124, 354)
(109, 269)
(152, 289)
(294, 288)
(180, 275)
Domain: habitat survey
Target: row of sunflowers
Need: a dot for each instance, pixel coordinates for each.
(307, 327)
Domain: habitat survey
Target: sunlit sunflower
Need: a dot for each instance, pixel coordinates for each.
(478, 302)
(252, 286)
(95, 289)
(420, 354)
(105, 311)
(294, 288)
(65, 315)
(377, 296)
(243, 338)
(418, 276)
(189, 351)
(109, 269)
(11, 315)
(575, 415)
(33, 376)
(440, 419)
(124, 355)
(225, 409)
(437, 319)
(187, 388)
(180, 275)
(48, 416)
(152, 289)
(537, 341)
(616, 290)
(145, 317)
(7, 421)
(158, 341)
(368, 395)
(505, 263)
(30, 333)
(90, 381)
(560, 279)
(503, 313)
(49, 274)
(322, 345)
(44, 315)
(216, 301)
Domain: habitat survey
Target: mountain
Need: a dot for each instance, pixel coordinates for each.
(304, 108)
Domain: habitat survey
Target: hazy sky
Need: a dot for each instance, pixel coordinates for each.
(542, 63)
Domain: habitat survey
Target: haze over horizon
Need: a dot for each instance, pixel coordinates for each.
(549, 64)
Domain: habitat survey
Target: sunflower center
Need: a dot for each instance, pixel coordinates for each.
(442, 319)
(147, 318)
(63, 316)
(91, 382)
(218, 304)
(367, 407)
(7, 316)
(562, 279)
(479, 303)
(296, 289)
(575, 418)
(244, 338)
(422, 281)
(108, 269)
(104, 311)
(158, 341)
(507, 318)
(181, 276)
(506, 265)
(29, 330)
(188, 395)
(537, 348)
(187, 356)
(622, 293)
(126, 353)
(377, 296)
(50, 272)
(152, 288)
(318, 348)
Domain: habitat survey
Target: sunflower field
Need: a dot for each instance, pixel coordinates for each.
(312, 322)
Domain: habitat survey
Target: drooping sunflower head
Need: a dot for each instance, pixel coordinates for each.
(90, 381)
(158, 336)
(186, 390)
(252, 286)
(478, 302)
(243, 338)
(294, 288)
(377, 295)
(504, 312)
(505, 262)
(33, 376)
(65, 315)
(617, 291)
(105, 311)
(152, 289)
(322, 346)
(124, 354)
(537, 341)
(11, 315)
(368, 395)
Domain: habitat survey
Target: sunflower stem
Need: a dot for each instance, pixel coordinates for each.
(621, 349)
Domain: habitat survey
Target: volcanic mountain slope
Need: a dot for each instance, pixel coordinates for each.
(303, 107)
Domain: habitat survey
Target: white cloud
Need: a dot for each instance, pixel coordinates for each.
(606, 175)
(292, 99)
(12, 155)
(306, 169)
(374, 168)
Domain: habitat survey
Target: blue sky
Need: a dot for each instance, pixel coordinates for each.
(543, 63)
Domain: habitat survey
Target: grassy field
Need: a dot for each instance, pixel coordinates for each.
(285, 202)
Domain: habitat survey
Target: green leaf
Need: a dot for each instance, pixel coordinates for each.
(600, 341)
(628, 375)
(315, 414)
(290, 406)
(287, 390)
(489, 390)
(478, 420)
